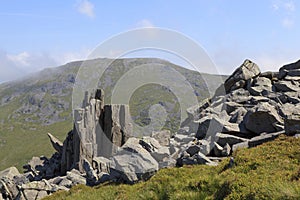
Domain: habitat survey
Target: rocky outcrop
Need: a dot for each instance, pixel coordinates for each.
(254, 108)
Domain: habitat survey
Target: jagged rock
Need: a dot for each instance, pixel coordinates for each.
(167, 163)
(101, 164)
(239, 77)
(292, 124)
(35, 165)
(198, 158)
(133, 163)
(57, 145)
(9, 173)
(231, 106)
(193, 149)
(8, 188)
(30, 194)
(289, 109)
(91, 176)
(117, 128)
(217, 149)
(161, 153)
(150, 144)
(263, 138)
(237, 116)
(226, 150)
(184, 130)
(270, 75)
(286, 86)
(76, 177)
(183, 138)
(288, 69)
(195, 110)
(224, 139)
(163, 137)
(260, 85)
(23, 178)
(241, 145)
(263, 118)
(65, 182)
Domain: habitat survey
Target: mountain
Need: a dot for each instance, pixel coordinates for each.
(42, 102)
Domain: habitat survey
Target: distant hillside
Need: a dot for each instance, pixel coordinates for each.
(42, 103)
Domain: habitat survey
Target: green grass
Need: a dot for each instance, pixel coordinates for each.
(269, 171)
(19, 142)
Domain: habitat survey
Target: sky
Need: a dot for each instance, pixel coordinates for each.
(40, 34)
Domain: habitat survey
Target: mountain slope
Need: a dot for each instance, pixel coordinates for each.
(42, 103)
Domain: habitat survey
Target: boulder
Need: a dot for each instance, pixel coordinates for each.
(57, 145)
(263, 118)
(289, 68)
(163, 137)
(183, 138)
(101, 164)
(10, 173)
(224, 139)
(258, 140)
(241, 145)
(76, 177)
(161, 153)
(133, 163)
(260, 85)
(91, 176)
(286, 86)
(239, 77)
(193, 149)
(292, 124)
(198, 158)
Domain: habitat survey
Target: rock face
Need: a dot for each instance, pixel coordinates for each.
(98, 131)
(241, 75)
(254, 108)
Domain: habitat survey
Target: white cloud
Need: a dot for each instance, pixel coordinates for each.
(284, 6)
(85, 7)
(289, 6)
(145, 23)
(287, 22)
(19, 59)
(14, 66)
(67, 57)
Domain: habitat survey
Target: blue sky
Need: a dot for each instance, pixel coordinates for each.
(37, 34)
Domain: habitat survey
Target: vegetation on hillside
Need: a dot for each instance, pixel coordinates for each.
(269, 171)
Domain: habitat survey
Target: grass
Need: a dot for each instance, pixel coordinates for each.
(19, 142)
(269, 171)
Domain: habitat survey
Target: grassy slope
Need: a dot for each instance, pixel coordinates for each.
(269, 171)
(18, 145)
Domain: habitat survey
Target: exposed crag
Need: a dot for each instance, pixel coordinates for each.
(249, 109)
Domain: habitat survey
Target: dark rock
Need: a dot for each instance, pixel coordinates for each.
(283, 71)
(258, 140)
(292, 125)
(57, 145)
(239, 77)
(263, 118)
(224, 139)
